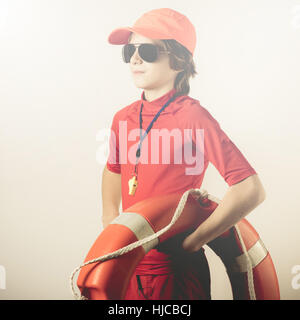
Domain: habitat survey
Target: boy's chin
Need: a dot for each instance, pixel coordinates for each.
(144, 86)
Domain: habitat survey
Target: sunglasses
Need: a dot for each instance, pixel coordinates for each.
(147, 51)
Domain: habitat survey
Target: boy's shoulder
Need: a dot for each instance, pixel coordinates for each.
(194, 108)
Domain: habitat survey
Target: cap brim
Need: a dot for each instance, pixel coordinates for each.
(120, 35)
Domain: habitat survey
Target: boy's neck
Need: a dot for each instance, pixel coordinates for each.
(153, 94)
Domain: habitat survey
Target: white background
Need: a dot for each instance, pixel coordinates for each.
(61, 82)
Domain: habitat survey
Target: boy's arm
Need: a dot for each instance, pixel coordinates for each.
(239, 200)
(111, 195)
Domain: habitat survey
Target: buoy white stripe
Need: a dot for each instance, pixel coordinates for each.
(257, 254)
(139, 226)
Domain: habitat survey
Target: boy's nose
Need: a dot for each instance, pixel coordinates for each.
(136, 58)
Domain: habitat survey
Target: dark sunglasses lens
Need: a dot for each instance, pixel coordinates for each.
(148, 52)
(127, 52)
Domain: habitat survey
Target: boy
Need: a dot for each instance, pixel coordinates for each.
(159, 49)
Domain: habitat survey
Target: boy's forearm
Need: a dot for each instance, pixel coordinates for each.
(111, 196)
(239, 200)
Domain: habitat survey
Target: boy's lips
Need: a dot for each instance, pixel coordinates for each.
(137, 72)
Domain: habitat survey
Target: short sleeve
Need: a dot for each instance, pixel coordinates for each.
(221, 151)
(113, 157)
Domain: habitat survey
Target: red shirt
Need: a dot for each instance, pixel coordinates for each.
(169, 175)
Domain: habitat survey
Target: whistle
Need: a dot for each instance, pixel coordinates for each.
(132, 183)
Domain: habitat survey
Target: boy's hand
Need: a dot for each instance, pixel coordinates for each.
(108, 218)
(191, 243)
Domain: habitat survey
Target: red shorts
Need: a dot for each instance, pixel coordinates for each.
(176, 275)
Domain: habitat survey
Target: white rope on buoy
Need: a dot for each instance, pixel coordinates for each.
(249, 266)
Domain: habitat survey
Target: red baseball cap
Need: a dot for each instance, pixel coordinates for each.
(161, 23)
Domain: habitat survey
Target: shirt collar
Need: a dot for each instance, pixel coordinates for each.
(155, 105)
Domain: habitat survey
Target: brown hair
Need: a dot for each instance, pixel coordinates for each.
(180, 58)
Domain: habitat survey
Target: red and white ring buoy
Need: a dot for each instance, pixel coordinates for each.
(249, 265)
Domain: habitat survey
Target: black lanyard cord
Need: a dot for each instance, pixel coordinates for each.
(138, 152)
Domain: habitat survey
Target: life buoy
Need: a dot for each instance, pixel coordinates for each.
(150, 219)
